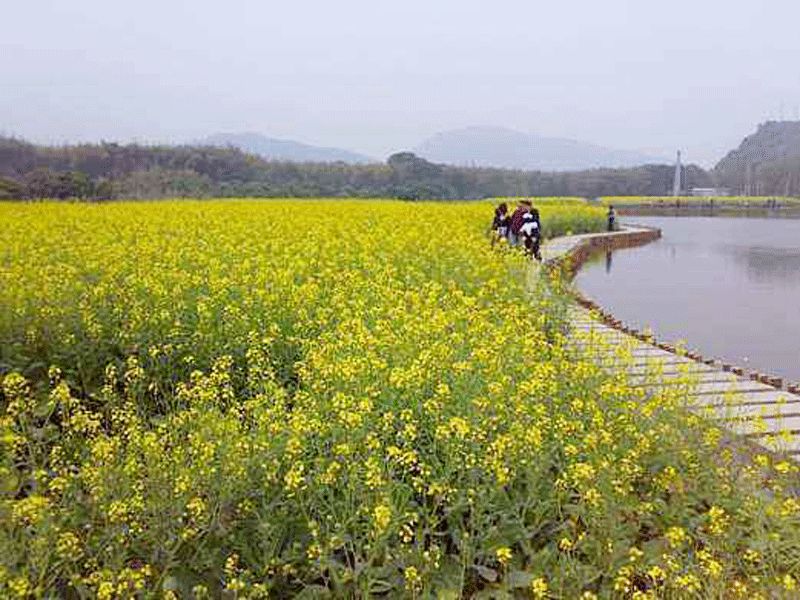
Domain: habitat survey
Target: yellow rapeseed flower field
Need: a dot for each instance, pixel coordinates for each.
(338, 399)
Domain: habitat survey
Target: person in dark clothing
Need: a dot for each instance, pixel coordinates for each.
(536, 218)
(612, 218)
(531, 235)
(500, 223)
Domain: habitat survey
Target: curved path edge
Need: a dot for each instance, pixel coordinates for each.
(752, 407)
(577, 249)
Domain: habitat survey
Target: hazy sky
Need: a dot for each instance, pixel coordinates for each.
(380, 75)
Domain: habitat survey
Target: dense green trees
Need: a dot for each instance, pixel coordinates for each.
(10, 189)
(99, 171)
(780, 177)
(46, 183)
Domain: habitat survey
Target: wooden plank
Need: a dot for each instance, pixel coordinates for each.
(762, 427)
(644, 350)
(594, 340)
(753, 411)
(752, 398)
(737, 386)
(622, 351)
(675, 369)
(697, 377)
(620, 345)
(644, 360)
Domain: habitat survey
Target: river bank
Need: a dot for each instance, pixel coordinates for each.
(710, 210)
(753, 405)
(727, 286)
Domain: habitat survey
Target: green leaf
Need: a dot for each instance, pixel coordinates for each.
(491, 593)
(519, 579)
(314, 591)
(486, 573)
(380, 586)
(9, 483)
(171, 583)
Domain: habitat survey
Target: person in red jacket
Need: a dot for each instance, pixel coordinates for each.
(517, 220)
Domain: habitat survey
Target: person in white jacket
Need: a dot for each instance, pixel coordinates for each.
(531, 235)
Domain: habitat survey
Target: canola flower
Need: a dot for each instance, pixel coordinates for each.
(346, 398)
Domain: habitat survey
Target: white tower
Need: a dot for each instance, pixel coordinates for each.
(676, 185)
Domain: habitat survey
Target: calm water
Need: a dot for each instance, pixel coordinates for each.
(729, 287)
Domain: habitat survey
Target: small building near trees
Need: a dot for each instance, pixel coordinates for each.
(708, 192)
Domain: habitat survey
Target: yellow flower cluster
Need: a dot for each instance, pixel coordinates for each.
(262, 398)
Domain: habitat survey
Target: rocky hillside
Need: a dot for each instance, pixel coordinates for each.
(765, 163)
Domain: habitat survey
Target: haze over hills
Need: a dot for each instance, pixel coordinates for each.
(110, 170)
(510, 149)
(472, 146)
(288, 150)
(766, 163)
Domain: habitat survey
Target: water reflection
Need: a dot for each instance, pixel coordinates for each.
(729, 286)
(768, 264)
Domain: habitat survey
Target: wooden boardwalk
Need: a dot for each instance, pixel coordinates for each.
(763, 414)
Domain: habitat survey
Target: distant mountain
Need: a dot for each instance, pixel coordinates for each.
(276, 149)
(773, 141)
(509, 149)
(766, 162)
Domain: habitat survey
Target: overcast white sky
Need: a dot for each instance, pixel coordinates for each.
(379, 75)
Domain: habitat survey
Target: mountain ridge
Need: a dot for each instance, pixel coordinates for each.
(501, 147)
(283, 149)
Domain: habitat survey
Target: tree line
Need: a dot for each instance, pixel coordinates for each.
(110, 171)
(780, 177)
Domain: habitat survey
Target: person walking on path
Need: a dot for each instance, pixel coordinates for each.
(612, 218)
(535, 214)
(517, 220)
(531, 235)
(500, 223)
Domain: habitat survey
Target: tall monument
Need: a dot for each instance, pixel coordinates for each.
(676, 184)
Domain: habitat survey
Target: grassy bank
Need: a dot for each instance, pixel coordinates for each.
(338, 399)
